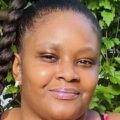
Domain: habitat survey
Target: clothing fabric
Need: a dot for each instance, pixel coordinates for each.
(104, 117)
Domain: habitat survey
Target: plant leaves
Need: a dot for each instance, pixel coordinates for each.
(108, 16)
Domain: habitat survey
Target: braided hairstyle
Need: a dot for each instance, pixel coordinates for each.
(8, 38)
(22, 15)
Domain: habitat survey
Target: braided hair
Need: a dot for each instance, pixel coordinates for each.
(22, 15)
(8, 38)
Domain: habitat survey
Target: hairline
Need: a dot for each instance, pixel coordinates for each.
(48, 12)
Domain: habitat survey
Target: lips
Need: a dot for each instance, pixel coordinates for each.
(65, 93)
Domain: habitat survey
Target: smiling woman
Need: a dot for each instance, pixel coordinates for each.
(56, 65)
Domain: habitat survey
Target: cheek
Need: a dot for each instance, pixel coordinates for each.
(89, 79)
(36, 75)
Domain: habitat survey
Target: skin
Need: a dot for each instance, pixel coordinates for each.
(114, 116)
(61, 53)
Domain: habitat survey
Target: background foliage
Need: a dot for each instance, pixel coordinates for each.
(107, 94)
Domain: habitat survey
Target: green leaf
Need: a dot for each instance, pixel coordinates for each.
(117, 59)
(102, 108)
(117, 109)
(102, 24)
(14, 48)
(3, 5)
(108, 16)
(11, 90)
(103, 50)
(116, 41)
(93, 4)
(9, 77)
(108, 43)
(115, 78)
(106, 4)
(94, 102)
(108, 70)
(114, 89)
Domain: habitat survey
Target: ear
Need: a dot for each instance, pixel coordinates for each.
(16, 68)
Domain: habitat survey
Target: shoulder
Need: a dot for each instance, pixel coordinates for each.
(93, 115)
(10, 114)
(114, 116)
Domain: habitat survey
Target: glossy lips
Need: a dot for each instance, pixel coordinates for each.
(65, 93)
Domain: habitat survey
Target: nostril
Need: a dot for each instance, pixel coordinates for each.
(69, 78)
(67, 72)
(61, 78)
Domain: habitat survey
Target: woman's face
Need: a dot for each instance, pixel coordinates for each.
(58, 66)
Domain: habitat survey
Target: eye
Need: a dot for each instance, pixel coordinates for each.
(85, 62)
(49, 57)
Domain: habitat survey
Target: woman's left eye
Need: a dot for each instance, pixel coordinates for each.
(85, 62)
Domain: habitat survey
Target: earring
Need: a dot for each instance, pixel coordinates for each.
(17, 83)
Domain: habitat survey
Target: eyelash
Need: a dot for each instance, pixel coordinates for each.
(49, 57)
(85, 62)
(52, 58)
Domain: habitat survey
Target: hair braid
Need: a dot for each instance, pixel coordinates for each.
(9, 38)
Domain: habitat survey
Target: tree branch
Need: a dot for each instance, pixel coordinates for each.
(3, 15)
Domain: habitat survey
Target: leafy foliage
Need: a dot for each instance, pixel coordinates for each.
(107, 94)
(4, 4)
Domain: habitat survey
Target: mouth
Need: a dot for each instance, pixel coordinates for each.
(65, 93)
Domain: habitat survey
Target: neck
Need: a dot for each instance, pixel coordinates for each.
(20, 114)
(84, 116)
(29, 115)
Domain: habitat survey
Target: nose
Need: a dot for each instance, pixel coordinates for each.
(67, 71)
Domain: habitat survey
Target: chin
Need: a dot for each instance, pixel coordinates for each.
(64, 117)
(65, 114)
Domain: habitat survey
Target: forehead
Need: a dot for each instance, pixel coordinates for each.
(58, 25)
(59, 17)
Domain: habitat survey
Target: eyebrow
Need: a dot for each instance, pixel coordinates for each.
(50, 45)
(87, 49)
(82, 50)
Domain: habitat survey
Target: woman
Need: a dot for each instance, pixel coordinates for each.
(56, 65)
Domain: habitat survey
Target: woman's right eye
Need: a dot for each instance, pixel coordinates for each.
(49, 57)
